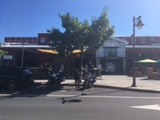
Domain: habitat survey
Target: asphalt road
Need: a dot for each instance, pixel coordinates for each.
(70, 104)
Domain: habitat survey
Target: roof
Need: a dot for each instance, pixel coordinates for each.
(143, 46)
(24, 46)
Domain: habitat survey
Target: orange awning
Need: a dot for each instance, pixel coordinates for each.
(78, 51)
(55, 52)
(48, 51)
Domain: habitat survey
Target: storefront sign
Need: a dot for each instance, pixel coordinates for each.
(7, 57)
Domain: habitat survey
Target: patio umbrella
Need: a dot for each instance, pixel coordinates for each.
(147, 61)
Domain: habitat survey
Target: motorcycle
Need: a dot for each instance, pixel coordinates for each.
(89, 80)
(55, 79)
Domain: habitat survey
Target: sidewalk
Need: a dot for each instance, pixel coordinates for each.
(120, 82)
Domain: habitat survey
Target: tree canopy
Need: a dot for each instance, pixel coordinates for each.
(1, 51)
(80, 35)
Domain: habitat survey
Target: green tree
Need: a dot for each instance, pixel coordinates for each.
(81, 35)
(2, 52)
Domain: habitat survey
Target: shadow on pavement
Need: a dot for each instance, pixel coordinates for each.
(37, 90)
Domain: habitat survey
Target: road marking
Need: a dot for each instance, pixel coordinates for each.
(61, 95)
(91, 96)
(4, 95)
(123, 97)
(149, 107)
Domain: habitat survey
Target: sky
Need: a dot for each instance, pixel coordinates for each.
(27, 18)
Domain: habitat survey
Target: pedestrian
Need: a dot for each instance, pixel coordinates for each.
(77, 78)
(61, 67)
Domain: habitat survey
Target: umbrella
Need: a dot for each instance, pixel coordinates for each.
(147, 61)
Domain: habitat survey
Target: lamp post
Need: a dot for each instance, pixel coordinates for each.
(139, 24)
(22, 55)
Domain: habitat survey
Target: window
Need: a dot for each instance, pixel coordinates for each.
(142, 41)
(110, 52)
(42, 40)
(125, 39)
(152, 41)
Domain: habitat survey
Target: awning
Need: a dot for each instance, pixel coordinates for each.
(55, 52)
(48, 51)
(78, 51)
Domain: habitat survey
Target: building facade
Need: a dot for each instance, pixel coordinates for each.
(114, 57)
(146, 47)
(35, 52)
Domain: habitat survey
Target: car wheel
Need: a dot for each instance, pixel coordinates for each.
(11, 85)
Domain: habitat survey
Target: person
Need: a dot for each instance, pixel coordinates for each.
(77, 78)
(86, 67)
(50, 69)
(61, 67)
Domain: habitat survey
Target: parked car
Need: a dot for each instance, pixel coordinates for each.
(13, 77)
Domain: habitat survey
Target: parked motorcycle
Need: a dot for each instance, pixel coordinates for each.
(55, 79)
(89, 80)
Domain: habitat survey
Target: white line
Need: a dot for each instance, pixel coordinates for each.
(124, 97)
(4, 95)
(94, 96)
(149, 107)
(90, 96)
(61, 95)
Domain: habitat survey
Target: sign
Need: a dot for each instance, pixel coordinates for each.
(7, 57)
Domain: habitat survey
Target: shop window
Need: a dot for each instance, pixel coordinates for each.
(110, 52)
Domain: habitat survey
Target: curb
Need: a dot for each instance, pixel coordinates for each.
(109, 86)
(128, 89)
(119, 88)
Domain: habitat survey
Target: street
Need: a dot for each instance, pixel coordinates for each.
(70, 104)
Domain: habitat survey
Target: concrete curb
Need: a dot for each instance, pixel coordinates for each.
(117, 87)
(71, 83)
(128, 88)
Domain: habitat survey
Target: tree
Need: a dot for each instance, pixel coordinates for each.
(1, 51)
(81, 35)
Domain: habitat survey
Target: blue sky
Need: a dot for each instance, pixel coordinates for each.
(27, 18)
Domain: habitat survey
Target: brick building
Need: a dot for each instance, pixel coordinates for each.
(146, 47)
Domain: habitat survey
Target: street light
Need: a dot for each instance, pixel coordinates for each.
(22, 55)
(139, 24)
